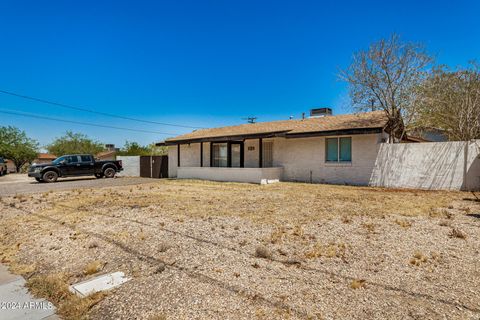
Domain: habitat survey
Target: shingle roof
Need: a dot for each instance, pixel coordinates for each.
(366, 120)
(46, 156)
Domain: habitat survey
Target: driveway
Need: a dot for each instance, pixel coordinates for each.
(13, 184)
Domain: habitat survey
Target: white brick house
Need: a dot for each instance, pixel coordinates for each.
(332, 149)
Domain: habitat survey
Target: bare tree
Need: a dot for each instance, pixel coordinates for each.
(383, 78)
(451, 101)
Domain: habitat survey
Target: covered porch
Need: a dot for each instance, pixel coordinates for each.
(234, 158)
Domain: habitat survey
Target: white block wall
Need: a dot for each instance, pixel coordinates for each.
(433, 165)
(131, 166)
(303, 160)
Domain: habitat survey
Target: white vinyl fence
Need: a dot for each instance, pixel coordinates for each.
(431, 165)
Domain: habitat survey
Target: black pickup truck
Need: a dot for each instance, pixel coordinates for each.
(74, 165)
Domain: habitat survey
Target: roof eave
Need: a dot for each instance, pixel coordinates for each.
(285, 134)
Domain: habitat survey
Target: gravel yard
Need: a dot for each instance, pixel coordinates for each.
(17, 183)
(206, 250)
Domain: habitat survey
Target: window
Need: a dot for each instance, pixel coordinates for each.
(220, 154)
(338, 149)
(86, 158)
(71, 159)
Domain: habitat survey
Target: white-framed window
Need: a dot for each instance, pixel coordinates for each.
(338, 149)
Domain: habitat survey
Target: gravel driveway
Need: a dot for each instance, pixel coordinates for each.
(14, 184)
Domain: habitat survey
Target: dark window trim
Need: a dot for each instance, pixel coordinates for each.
(229, 153)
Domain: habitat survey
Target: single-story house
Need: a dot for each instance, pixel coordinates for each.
(106, 155)
(44, 158)
(325, 149)
(11, 168)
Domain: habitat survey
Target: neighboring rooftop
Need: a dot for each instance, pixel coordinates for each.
(46, 156)
(290, 128)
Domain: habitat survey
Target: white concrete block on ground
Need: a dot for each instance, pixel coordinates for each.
(101, 283)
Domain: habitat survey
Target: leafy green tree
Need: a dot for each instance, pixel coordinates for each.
(15, 145)
(73, 143)
(135, 149)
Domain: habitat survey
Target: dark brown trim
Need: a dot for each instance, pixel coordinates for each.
(242, 154)
(225, 138)
(260, 153)
(229, 154)
(347, 132)
(178, 155)
(201, 154)
(211, 154)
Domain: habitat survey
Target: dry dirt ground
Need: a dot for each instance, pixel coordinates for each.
(205, 250)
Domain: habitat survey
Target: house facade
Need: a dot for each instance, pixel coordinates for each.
(326, 149)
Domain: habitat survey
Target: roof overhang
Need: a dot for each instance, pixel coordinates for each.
(284, 134)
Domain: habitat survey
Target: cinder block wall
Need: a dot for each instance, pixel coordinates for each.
(131, 166)
(432, 165)
(304, 160)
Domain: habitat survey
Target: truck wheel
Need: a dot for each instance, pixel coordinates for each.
(109, 173)
(98, 175)
(50, 176)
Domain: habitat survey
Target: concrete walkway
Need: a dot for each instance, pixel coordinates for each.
(17, 303)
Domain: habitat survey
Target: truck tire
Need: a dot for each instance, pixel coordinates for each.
(109, 172)
(50, 176)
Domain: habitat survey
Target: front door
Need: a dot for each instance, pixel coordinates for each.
(237, 154)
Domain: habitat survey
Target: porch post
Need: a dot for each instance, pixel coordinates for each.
(178, 155)
(211, 154)
(260, 153)
(229, 154)
(201, 154)
(242, 155)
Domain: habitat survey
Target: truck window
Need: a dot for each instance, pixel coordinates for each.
(72, 159)
(86, 158)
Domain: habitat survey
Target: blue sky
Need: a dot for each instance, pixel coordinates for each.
(202, 63)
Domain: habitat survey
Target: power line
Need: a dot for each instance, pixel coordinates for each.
(36, 116)
(68, 106)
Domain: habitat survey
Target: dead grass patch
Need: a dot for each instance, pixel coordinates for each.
(403, 223)
(93, 267)
(357, 284)
(263, 252)
(330, 250)
(54, 288)
(418, 259)
(457, 233)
